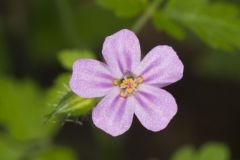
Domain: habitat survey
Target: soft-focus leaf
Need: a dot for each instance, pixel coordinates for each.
(22, 109)
(214, 151)
(64, 102)
(208, 151)
(23, 133)
(34, 150)
(67, 57)
(124, 8)
(8, 150)
(56, 153)
(217, 24)
(184, 153)
(164, 23)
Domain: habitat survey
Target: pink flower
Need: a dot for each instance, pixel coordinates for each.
(129, 86)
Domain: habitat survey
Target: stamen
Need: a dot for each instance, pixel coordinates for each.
(130, 80)
(125, 81)
(123, 94)
(115, 82)
(135, 85)
(130, 90)
(123, 85)
(128, 84)
(139, 79)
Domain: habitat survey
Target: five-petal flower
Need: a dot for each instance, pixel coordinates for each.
(129, 86)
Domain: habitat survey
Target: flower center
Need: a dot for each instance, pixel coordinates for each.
(128, 84)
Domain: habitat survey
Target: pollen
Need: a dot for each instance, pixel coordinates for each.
(135, 85)
(139, 79)
(122, 84)
(115, 82)
(128, 84)
(130, 90)
(123, 94)
(130, 80)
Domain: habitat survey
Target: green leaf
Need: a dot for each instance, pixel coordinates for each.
(23, 133)
(34, 150)
(64, 102)
(208, 151)
(184, 153)
(214, 151)
(217, 24)
(67, 57)
(164, 23)
(124, 8)
(8, 150)
(22, 110)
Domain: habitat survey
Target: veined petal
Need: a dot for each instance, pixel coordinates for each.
(122, 52)
(155, 107)
(161, 66)
(114, 114)
(90, 78)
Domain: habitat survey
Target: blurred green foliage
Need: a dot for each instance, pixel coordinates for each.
(67, 57)
(124, 8)
(22, 110)
(184, 153)
(164, 23)
(208, 151)
(217, 24)
(8, 149)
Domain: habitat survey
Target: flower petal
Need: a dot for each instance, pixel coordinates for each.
(155, 107)
(122, 52)
(114, 114)
(161, 67)
(90, 78)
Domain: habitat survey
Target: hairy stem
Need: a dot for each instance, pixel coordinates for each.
(59, 106)
(146, 15)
